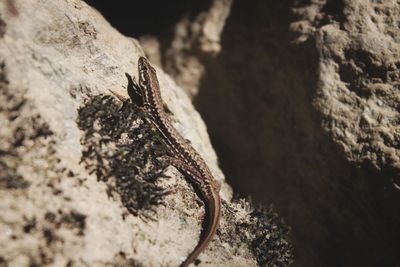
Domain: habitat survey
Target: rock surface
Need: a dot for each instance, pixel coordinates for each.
(302, 105)
(80, 183)
(307, 93)
(301, 100)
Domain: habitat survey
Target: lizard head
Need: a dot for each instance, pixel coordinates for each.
(146, 72)
(148, 82)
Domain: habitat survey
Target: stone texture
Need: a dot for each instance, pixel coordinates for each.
(194, 38)
(302, 105)
(300, 98)
(358, 93)
(80, 183)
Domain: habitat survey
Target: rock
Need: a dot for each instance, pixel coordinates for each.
(80, 180)
(302, 106)
(357, 94)
(194, 38)
(301, 102)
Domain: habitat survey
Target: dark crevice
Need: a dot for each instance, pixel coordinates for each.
(257, 101)
(335, 10)
(2, 28)
(361, 69)
(154, 17)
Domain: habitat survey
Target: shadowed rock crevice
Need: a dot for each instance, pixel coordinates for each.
(259, 106)
(155, 17)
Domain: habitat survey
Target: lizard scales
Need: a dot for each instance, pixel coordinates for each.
(184, 157)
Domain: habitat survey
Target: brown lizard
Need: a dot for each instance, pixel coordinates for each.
(183, 156)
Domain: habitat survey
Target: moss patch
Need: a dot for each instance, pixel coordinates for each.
(122, 149)
(260, 230)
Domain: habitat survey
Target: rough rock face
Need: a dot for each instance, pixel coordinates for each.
(358, 92)
(302, 103)
(81, 183)
(301, 100)
(310, 110)
(357, 96)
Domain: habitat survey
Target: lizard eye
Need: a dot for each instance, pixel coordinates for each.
(143, 79)
(143, 83)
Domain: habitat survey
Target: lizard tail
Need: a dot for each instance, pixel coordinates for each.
(211, 220)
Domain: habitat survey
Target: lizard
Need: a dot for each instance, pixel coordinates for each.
(183, 156)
